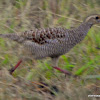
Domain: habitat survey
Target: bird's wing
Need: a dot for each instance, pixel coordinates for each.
(42, 36)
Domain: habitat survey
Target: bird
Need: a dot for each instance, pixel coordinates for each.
(52, 42)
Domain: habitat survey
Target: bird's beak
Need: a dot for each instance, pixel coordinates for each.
(99, 17)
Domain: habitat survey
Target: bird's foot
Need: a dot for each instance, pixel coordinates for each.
(63, 71)
(14, 68)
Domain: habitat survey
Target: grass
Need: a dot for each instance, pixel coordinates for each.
(82, 60)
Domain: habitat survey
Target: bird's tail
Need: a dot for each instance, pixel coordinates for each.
(12, 36)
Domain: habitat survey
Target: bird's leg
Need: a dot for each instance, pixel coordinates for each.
(14, 68)
(63, 71)
(55, 64)
(19, 62)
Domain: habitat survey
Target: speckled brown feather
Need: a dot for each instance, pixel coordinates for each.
(41, 35)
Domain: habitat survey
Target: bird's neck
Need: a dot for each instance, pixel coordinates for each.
(83, 29)
(78, 34)
(85, 26)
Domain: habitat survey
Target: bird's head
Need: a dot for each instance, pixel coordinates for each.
(93, 19)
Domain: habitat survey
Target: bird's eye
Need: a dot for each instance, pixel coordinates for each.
(97, 18)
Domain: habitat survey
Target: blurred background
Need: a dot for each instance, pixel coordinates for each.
(36, 80)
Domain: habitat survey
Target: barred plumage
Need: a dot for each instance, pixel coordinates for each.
(53, 42)
(40, 35)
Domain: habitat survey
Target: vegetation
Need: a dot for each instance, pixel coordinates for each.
(36, 80)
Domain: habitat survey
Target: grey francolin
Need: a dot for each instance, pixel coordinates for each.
(52, 42)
